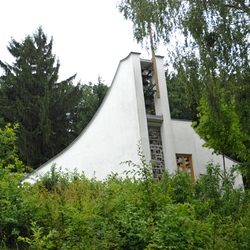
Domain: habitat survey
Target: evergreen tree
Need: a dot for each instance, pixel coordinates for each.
(31, 96)
(92, 97)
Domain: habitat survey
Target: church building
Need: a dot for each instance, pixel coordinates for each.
(135, 112)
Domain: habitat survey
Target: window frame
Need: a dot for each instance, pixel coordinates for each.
(184, 167)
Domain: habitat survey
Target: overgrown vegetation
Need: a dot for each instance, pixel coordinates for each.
(69, 211)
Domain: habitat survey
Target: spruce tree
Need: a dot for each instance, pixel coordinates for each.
(32, 96)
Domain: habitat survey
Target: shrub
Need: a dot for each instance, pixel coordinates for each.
(68, 211)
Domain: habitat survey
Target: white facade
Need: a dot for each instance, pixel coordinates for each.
(121, 123)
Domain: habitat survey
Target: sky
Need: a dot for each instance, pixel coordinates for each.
(90, 37)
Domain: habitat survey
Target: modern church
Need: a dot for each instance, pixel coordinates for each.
(135, 114)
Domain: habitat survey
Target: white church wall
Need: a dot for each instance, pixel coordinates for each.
(187, 141)
(113, 134)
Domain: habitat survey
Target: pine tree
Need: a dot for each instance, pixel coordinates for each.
(32, 97)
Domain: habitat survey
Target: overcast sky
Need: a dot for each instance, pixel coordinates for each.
(90, 36)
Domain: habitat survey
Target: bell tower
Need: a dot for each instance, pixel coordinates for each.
(157, 110)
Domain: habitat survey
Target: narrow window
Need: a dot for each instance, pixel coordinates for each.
(184, 163)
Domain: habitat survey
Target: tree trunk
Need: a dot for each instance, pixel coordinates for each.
(224, 163)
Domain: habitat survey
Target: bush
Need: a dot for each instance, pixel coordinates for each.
(68, 211)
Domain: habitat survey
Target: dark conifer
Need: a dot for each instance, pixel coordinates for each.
(32, 96)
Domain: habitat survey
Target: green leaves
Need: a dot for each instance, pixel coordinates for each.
(92, 97)
(221, 127)
(8, 149)
(213, 67)
(182, 105)
(150, 15)
(174, 212)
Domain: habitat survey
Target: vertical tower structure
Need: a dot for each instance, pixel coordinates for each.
(161, 141)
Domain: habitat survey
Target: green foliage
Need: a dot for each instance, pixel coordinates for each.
(222, 129)
(31, 96)
(69, 211)
(50, 114)
(150, 16)
(213, 65)
(13, 211)
(8, 149)
(40, 241)
(180, 103)
(92, 97)
(13, 214)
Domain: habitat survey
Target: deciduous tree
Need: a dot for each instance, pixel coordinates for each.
(151, 20)
(213, 62)
(217, 31)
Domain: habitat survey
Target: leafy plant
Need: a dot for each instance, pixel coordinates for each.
(69, 211)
